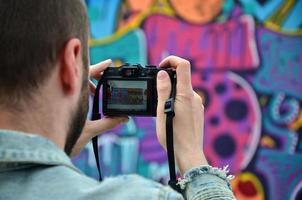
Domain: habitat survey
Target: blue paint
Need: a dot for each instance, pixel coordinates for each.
(294, 19)
(103, 17)
(261, 12)
(128, 48)
(280, 69)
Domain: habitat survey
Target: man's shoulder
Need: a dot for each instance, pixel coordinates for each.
(135, 187)
(67, 182)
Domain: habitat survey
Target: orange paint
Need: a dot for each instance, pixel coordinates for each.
(139, 5)
(197, 11)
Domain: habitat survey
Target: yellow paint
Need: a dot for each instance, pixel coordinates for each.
(267, 141)
(163, 7)
(117, 62)
(263, 100)
(275, 21)
(277, 28)
(297, 124)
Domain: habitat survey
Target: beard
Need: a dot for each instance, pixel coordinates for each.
(78, 117)
(77, 120)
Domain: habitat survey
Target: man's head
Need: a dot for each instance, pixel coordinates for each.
(43, 57)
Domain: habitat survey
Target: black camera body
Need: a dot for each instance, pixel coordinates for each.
(130, 90)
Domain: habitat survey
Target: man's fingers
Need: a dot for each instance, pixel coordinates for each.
(95, 70)
(170, 61)
(183, 72)
(92, 87)
(106, 124)
(93, 128)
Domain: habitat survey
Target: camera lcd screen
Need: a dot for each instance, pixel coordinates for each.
(127, 95)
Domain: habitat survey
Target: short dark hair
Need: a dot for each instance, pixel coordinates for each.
(32, 35)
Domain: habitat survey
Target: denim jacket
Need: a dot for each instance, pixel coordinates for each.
(32, 167)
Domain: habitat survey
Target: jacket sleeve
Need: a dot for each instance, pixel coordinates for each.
(205, 183)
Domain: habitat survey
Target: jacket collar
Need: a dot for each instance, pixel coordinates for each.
(22, 150)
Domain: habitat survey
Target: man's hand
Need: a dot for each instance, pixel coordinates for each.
(94, 128)
(189, 115)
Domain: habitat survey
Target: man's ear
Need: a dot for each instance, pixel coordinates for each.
(69, 66)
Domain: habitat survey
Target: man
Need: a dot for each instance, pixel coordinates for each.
(43, 107)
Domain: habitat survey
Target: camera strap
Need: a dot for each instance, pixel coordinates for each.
(169, 111)
(96, 116)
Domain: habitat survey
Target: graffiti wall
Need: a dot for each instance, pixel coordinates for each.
(246, 58)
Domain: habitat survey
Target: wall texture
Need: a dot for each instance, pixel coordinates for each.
(246, 58)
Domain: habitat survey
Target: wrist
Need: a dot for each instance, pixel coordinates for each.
(189, 160)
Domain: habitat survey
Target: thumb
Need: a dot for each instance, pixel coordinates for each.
(163, 93)
(163, 86)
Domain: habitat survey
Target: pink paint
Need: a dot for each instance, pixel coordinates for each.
(229, 45)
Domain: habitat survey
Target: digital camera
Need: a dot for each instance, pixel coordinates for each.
(130, 90)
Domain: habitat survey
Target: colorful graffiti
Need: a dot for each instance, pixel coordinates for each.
(216, 46)
(232, 103)
(246, 57)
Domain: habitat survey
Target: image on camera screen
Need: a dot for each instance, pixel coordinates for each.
(127, 95)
